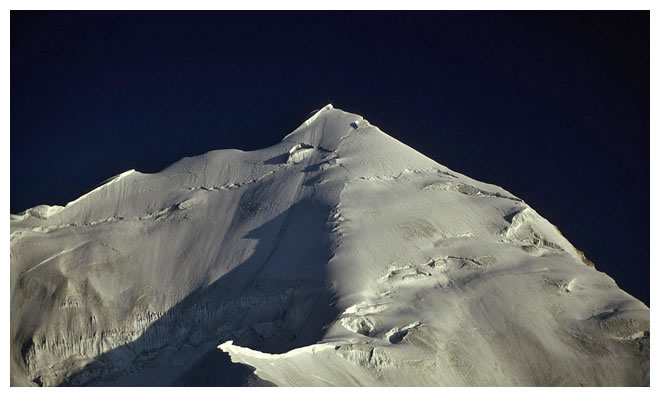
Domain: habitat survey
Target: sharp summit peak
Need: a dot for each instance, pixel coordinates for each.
(326, 127)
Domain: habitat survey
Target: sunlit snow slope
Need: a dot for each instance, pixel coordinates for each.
(339, 256)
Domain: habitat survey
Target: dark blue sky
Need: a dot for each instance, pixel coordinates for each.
(552, 106)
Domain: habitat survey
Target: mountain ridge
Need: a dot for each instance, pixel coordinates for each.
(339, 236)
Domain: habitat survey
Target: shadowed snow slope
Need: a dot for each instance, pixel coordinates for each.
(339, 256)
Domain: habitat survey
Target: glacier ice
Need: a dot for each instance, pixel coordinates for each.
(339, 256)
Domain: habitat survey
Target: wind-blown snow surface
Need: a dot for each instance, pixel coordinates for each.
(339, 257)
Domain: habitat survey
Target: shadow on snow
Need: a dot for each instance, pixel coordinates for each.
(275, 301)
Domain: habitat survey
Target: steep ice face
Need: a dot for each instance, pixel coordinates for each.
(339, 256)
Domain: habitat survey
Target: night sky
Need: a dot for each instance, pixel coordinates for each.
(552, 106)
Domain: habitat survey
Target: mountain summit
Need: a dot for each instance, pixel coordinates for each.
(339, 256)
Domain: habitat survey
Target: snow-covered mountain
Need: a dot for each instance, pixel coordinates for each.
(339, 256)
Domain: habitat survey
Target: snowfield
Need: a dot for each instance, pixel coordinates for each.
(337, 257)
